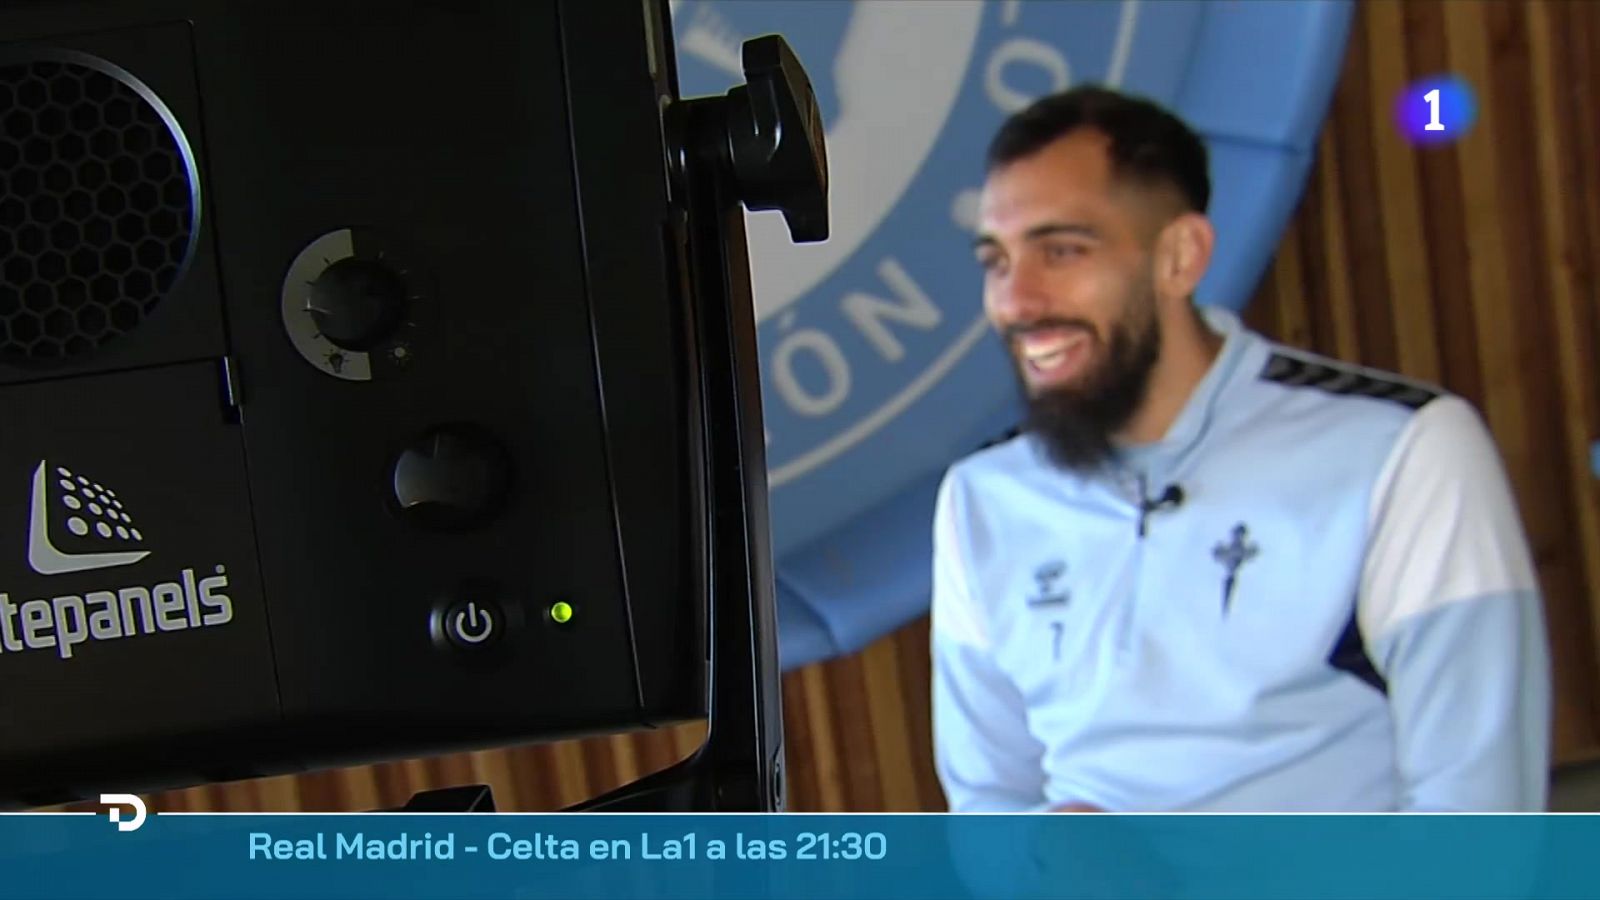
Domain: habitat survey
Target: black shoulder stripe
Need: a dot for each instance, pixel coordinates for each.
(1293, 371)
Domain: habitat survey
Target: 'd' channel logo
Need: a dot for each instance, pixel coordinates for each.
(1436, 110)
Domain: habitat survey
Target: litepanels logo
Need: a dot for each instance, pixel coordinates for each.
(72, 520)
(88, 517)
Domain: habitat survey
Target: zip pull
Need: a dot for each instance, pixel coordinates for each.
(1142, 503)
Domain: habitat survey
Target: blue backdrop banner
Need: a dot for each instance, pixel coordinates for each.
(878, 368)
(795, 855)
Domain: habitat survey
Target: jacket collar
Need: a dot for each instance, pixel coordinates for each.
(1161, 462)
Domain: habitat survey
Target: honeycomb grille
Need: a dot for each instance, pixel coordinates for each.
(96, 208)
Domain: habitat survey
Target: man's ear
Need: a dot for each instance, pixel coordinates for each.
(1183, 253)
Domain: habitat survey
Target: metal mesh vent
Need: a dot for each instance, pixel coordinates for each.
(96, 208)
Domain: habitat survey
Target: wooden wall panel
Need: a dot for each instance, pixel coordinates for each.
(1472, 266)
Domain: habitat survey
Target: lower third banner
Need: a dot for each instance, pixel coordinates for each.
(796, 855)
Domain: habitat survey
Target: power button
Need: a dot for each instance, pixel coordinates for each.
(471, 624)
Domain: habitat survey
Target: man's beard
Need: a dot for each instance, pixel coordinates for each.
(1077, 422)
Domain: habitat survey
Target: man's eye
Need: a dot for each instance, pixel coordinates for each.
(990, 262)
(1063, 251)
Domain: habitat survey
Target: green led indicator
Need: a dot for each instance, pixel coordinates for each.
(561, 612)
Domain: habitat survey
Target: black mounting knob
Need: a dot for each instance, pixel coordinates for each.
(776, 139)
(452, 477)
(357, 303)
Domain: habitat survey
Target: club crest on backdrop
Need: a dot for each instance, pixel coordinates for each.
(878, 368)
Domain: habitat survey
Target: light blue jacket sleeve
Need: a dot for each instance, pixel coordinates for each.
(1454, 619)
(986, 757)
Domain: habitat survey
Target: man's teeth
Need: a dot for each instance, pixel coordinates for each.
(1047, 359)
(1046, 353)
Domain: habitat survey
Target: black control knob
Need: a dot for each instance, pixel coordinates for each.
(777, 141)
(452, 477)
(357, 303)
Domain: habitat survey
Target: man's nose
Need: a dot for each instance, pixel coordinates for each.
(1019, 297)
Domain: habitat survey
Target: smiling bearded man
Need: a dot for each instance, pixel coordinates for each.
(1213, 572)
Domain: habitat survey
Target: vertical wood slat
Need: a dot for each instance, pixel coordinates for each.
(916, 680)
(823, 752)
(1470, 265)
(1399, 195)
(886, 702)
(1567, 46)
(1357, 261)
(1486, 262)
(1445, 243)
(1333, 313)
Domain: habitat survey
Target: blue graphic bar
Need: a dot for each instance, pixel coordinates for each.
(800, 856)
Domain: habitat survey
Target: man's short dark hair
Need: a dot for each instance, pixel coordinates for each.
(1149, 145)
